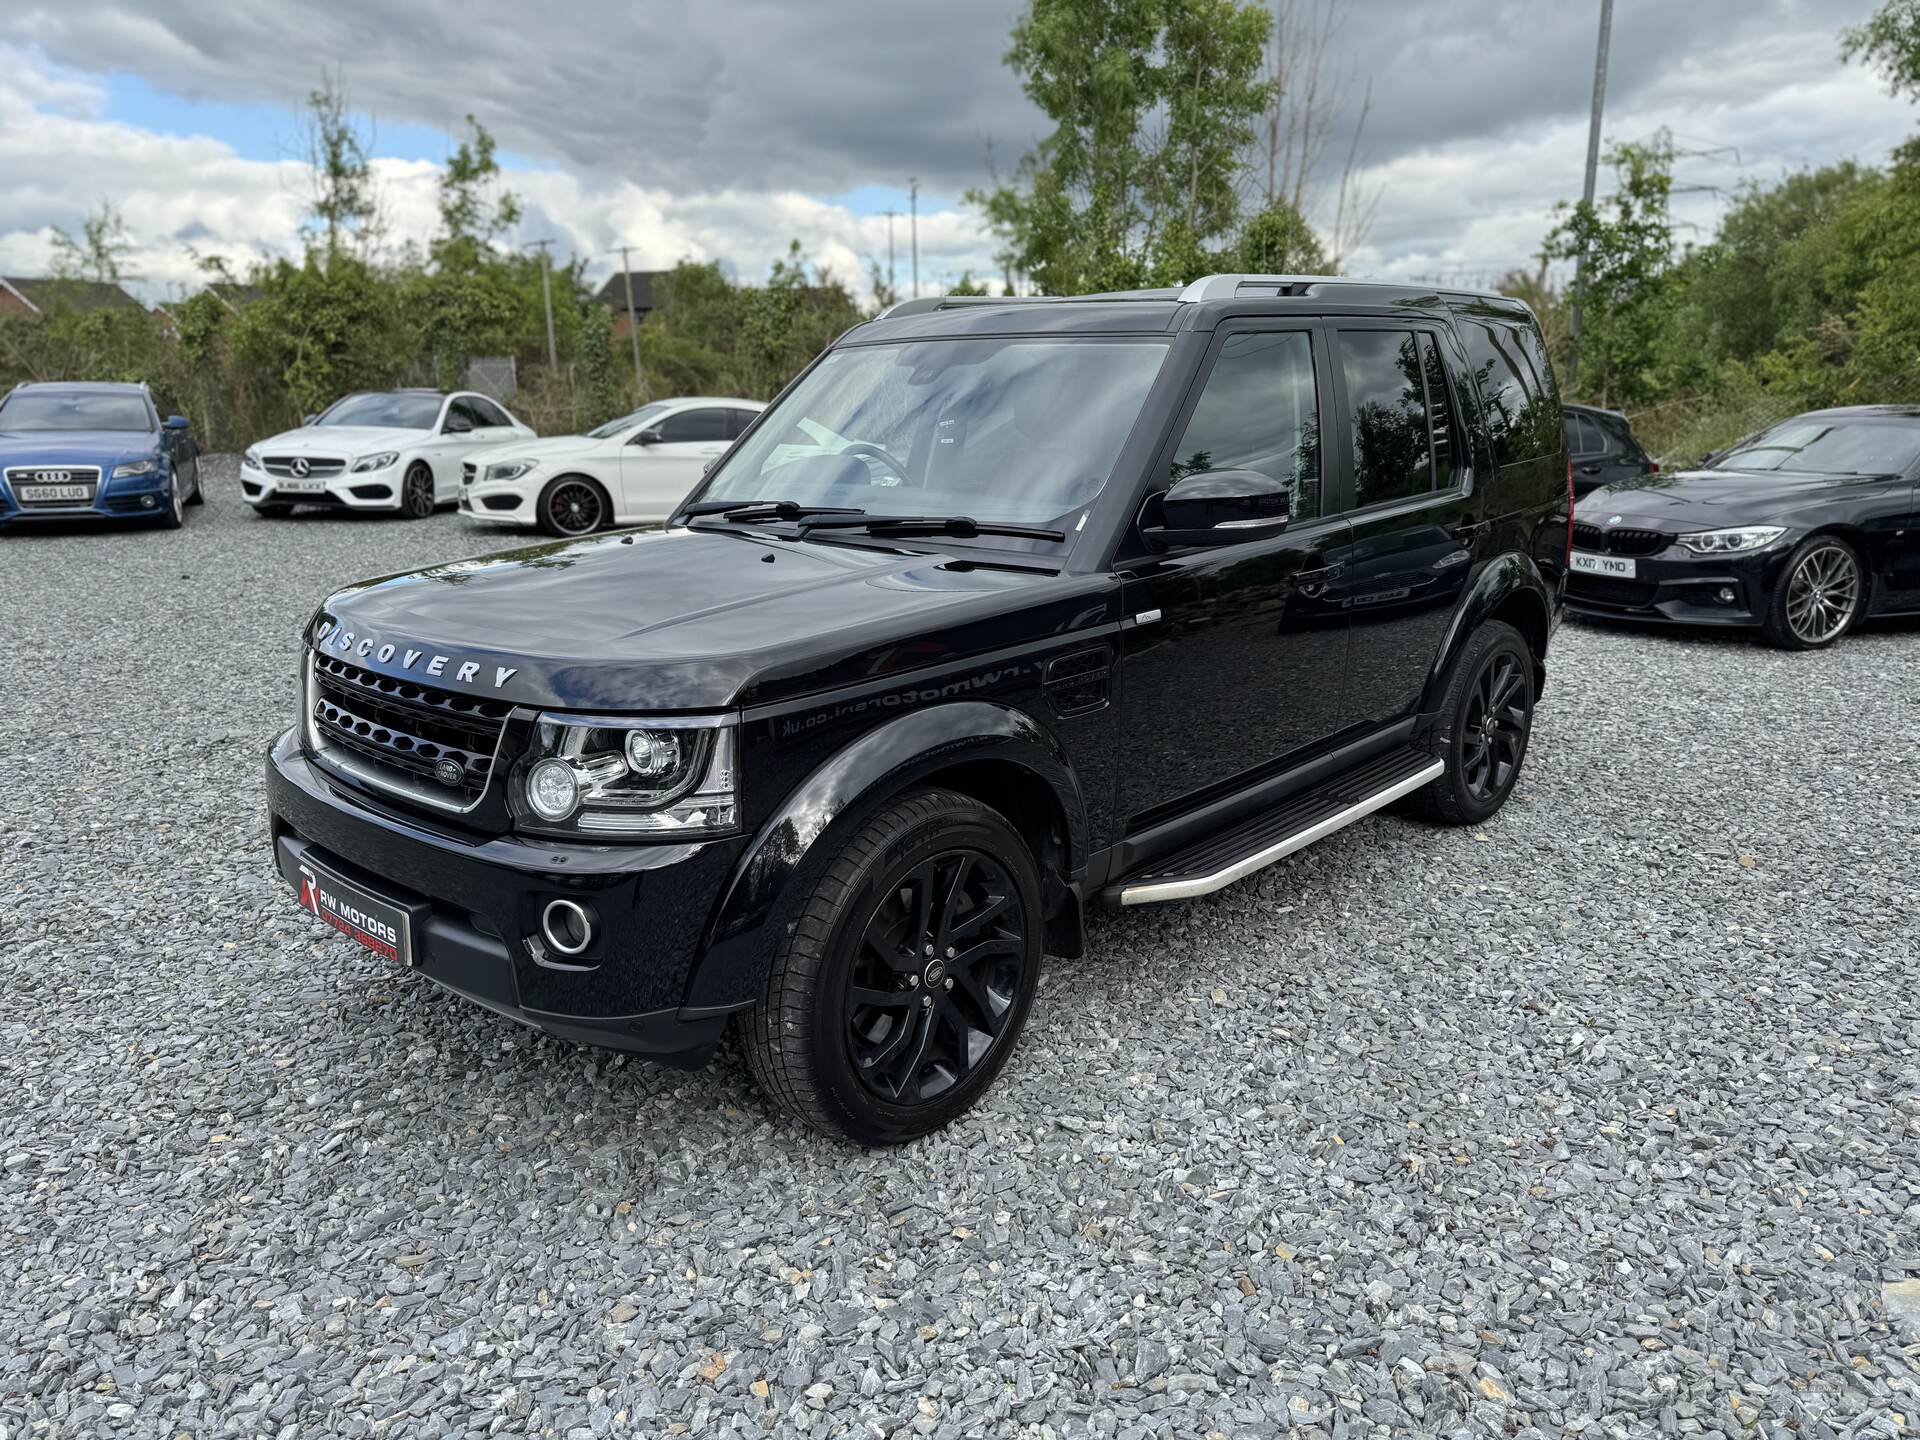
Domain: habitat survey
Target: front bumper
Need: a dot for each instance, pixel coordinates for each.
(500, 502)
(366, 490)
(1676, 586)
(480, 898)
(132, 497)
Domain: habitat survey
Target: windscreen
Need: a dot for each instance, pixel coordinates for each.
(1829, 447)
(628, 422)
(1015, 430)
(30, 410)
(398, 412)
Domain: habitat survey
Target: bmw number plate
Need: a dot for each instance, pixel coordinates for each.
(356, 912)
(56, 492)
(1622, 567)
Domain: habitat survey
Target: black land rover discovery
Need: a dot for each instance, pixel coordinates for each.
(1004, 607)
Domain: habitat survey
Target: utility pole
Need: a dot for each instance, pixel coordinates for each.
(890, 214)
(1593, 164)
(633, 320)
(913, 201)
(546, 295)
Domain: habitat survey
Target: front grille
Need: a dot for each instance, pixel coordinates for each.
(87, 475)
(1609, 541)
(318, 466)
(408, 729)
(1604, 590)
(468, 472)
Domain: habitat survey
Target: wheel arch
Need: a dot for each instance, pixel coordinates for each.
(1512, 591)
(606, 493)
(992, 752)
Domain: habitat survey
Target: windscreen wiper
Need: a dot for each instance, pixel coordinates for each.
(747, 511)
(961, 527)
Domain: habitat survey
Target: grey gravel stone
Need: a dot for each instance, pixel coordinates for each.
(1602, 1118)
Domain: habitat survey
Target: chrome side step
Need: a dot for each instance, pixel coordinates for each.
(1216, 862)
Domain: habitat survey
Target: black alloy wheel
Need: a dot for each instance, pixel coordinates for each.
(572, 506)
(939, 967)
(1820, 595)
(1486, 720)
(901, 978)
(416, 492)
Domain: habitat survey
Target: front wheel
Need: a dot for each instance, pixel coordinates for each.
(198, 496)
(898, 993)
(1486, 720)
(173, 513)
(1820, 594)
(573, 505)
(416, 492)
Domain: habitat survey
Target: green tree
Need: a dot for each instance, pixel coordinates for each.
(345, 201)
(1890, 43)
(100, 251)
(474, 210)
(1152, 102)
(1628, 243)
(1279, 241)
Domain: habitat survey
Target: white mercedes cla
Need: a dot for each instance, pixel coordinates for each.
(631, 471)
(386, 450)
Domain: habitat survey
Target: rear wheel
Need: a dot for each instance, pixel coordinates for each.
(416, 492)
(573, 505)
(1486, 720)
(899, 992)
(1821, 593)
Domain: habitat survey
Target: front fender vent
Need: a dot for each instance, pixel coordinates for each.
(1077, 683)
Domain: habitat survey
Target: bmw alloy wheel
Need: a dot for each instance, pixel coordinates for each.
(1823, 594)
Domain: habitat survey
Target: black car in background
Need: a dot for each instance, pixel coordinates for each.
(1003, 609)
(1603, 448)
(1800, 531)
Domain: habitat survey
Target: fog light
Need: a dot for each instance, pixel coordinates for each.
(1724, 595)
(566, 926)
(553, 789)
(147, 502)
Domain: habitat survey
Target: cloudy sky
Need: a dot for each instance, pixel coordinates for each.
(720, 129)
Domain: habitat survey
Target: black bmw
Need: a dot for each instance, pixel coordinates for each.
(1801, 532)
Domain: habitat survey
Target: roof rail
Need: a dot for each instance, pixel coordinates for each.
(1231, 287)
(929, 303)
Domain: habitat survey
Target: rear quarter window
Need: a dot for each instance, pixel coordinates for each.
(1515, 382)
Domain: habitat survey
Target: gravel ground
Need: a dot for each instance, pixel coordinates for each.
(1605, 1117)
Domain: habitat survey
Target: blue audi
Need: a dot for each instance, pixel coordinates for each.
(73, 450)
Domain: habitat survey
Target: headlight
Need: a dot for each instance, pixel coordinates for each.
(134, 467)
(510, 469)
(1732, 542)
(251, 460)
(662, 779)
(375, 462)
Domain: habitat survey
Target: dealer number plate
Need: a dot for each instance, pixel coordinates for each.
(300, 487)
(356, 912)
(1623, 567)
(56, 492)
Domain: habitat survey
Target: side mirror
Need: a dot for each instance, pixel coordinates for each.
(177, 422)
(457, 425)
(1220, 507)
(310, 419)
(652, 435)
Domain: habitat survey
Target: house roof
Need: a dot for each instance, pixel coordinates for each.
(44, 293)
(613, 294)
(233, 293)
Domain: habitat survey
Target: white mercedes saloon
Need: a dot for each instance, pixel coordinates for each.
(378, 450)
(631, 471)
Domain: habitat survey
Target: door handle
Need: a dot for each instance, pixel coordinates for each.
(1589, 469)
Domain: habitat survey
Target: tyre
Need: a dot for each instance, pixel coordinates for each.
(196, 496)
(573, 505)
(416, 492)
(1822, 591)
(271, 509)
(1486, 719)
(173, 512)
(900, 987)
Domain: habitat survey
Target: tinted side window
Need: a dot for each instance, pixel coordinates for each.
(489, 413)
(1387, 402)
(738, 421)
(464, 408)
(1260, 410)
(696, 425)
(1440, 410)
(1516, 388)
(1583, 437)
